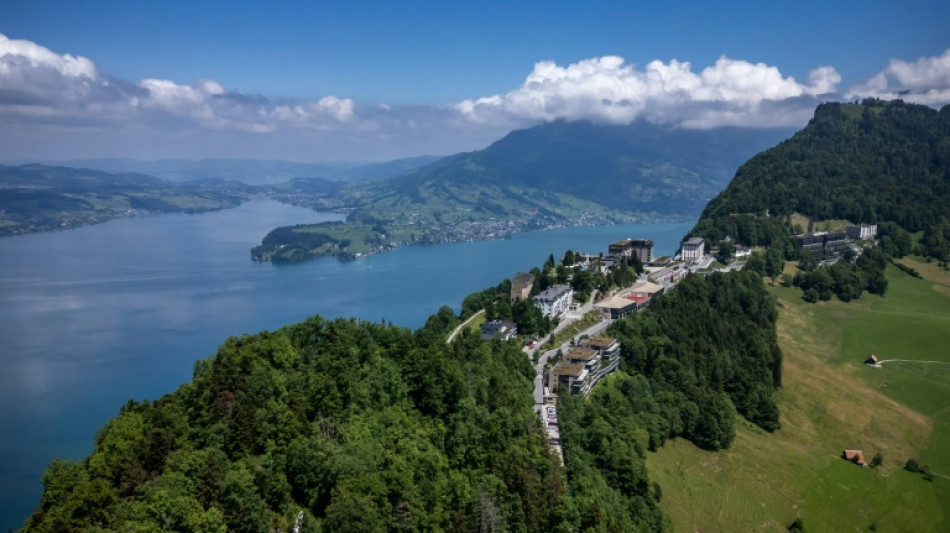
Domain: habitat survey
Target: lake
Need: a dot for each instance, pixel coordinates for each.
(95, 316)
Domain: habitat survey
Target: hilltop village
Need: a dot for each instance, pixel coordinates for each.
(576, 355)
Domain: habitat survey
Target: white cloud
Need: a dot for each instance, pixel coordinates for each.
(37, 82)
(609, 90)
(925, 81)
(19, 54)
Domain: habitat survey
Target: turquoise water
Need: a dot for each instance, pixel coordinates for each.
(92, 317)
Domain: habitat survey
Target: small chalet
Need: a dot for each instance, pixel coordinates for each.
(855, 456)
(499, 329)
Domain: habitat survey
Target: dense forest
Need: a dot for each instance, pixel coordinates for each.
(361, 426)
(345, 425)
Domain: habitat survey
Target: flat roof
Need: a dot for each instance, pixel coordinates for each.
(646, 286)
(564, 368)
(600, 341)
(615, 302)
(581, 354)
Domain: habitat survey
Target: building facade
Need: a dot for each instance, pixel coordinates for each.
(694, 249)
(643, 249)
(584, 366)
(555, 300)
(862, 232)
(824, 245)
(521, 286)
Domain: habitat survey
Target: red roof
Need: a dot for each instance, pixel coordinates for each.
(638, 299)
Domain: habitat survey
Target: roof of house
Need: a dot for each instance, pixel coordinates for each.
(635, 298)
(563, 368)
(599, 341)
(498, 326)
(647, 287)
(615, 302)
(522, 279)
(694, 241)
(855, 455)
(553, 292)
(581, 354)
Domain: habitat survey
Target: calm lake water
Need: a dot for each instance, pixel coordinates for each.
(92, 317)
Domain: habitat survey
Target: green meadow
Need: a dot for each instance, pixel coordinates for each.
(831, 401)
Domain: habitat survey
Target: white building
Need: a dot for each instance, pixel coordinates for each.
(694, 250)
(862, 232)
(555, 300)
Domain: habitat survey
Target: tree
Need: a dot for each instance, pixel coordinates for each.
(725, 253)
(568, 259)
(877, 460)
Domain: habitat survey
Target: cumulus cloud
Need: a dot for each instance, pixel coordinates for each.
(607, 89)
(925, 81)
(37, 82)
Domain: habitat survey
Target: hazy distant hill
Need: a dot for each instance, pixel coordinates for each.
(40, 198)
(250, 171)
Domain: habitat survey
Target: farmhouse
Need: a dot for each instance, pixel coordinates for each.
(855, 456)
(499, 329)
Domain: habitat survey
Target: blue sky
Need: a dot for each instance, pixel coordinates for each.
(375, 80)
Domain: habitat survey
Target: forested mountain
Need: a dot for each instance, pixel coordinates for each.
(872, 162)
(39, 198)
(636, 168)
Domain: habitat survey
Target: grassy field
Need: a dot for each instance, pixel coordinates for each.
(830, 401)
(362, 237)
(820, 225)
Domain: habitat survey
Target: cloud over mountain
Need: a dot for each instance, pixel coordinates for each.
(925, 81)
(730, 92)
(49, 99)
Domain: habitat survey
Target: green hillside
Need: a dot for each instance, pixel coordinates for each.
(831, 401)
(872, 162)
